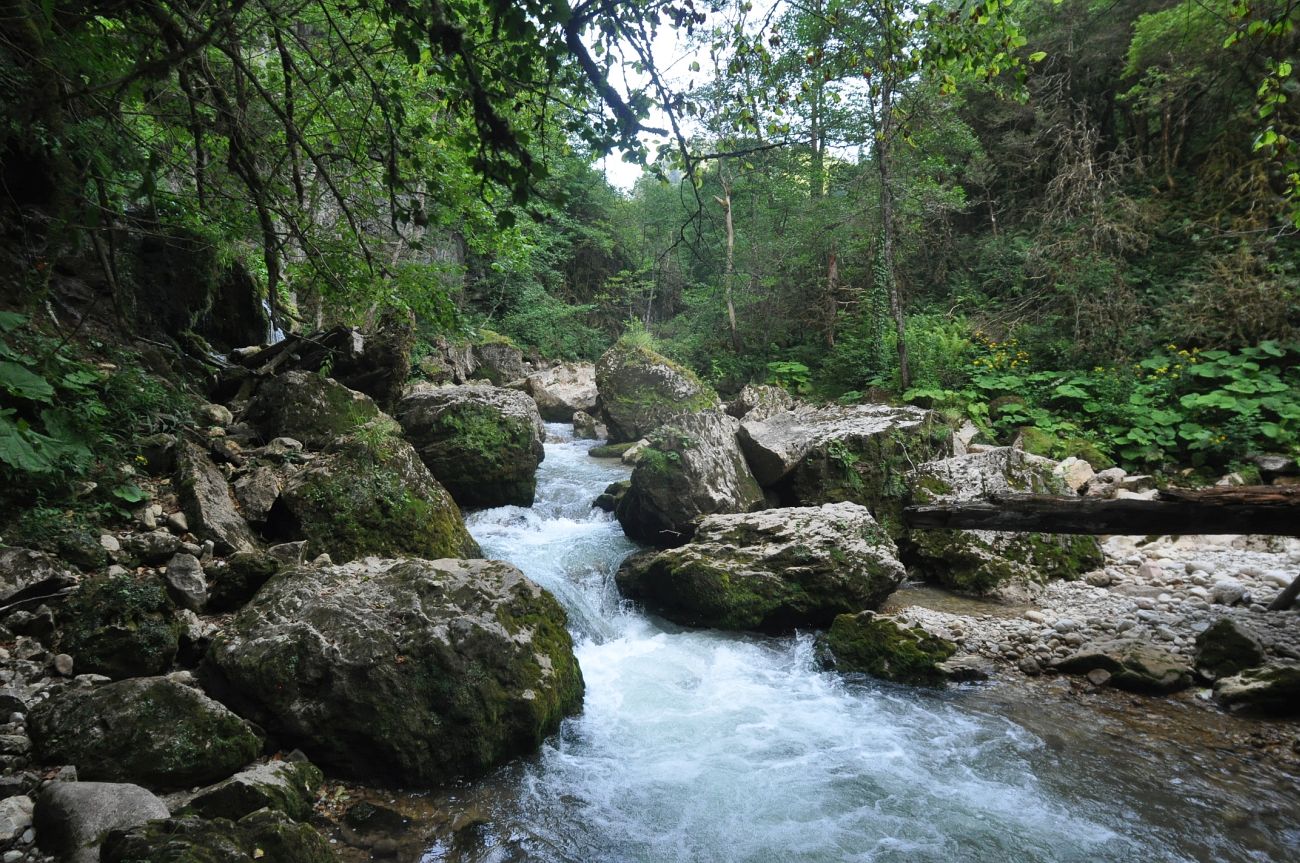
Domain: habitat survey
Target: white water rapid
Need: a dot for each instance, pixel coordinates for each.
(707, 746)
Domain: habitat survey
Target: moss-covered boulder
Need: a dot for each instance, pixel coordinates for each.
(1132, 665)
(499, 361)
(120, 626)
(290, 787)
(483, 443)
(885, 647)
(981, 561)
(856, 453)
(564, 390)
(153, 731)
(691, 468)
(640, 390)
(266, 835)
(309, 408)
(369, 493)
(234, 581)
(1227, 648)
(772, 571)
(206, 498)
(1272, 689)
(410, 672)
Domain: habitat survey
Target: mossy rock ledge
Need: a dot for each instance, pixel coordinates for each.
(640, 390)
(265, 835)
(833, 453)
(409, 672)
(309, 408)
(770, 571)
(691, 468)
(982, 561)
(120, 626)
(153, 731)
(369, 493)
(888, 648)
(482, 443)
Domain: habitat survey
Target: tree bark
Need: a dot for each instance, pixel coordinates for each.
(729, 275)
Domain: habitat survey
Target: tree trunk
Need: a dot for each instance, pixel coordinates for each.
(729, 275)
(887, 228)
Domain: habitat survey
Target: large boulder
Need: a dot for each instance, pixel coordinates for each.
(120, 626)
(1133, 666)
(288, 786)
(72, 818)
(154, 731)
(888, 648)
(369, 493)
(759, 402)
(690, 469)
(499, 361)
(981, 561)
(857, 453)
(641, 390)
(483, 443)
(1226, 648)
(267, 835)
(26, 573)
(205, 497)
(309, 408)
(1273, 688)
(562, 390)
(408, 671)
(772, 571)
(449, 363)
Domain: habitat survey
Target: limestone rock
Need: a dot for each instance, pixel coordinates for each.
(772, 570)
(1272, 689)
(1132, 666)
(692, 468)
(584, 426)
(369, 493)
(15, 816)
(288, 786)
(407, 671)
(1074, 472)
(759, 402)
(981, 561)
(150, 549)
(885, 647)
(267, 835)
(234, 581)
(308, 408)
(72, 818)
(205, 496)
(641, 391)
(25, 573)
(1226, 648)
(153, 731)
(562, 390)
(500, 362)
(257, 491)
(186, 582)
(482, 443)
(120, 626)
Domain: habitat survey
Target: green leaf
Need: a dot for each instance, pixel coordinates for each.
(130, 492)
(10, 321)
(1038, 57)
(1071, 391)
(25, 384)
(16, 448)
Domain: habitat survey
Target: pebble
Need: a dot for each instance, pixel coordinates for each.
(1064, 625)
(63, 664)
(1098, 676)
(109, 543)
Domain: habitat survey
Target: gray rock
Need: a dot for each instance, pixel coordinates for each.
(186, 582)
(64, 664)
(1229, 592)
(410, 671)
(584, 426)
(1133, 666)
(205, 496)
(256, 492)
(308, 408)
(26, 573)
(15, 816)
(759, 402)
(640, 390)
(267, 835)
(563, 390)
(217, 415)
(500, 362)
(282, 448)
(1273, 688)
(72, 818)
(691, 468)
(1074, 473)
(772, 570)
(1227, 647)
(289, 786)
(150, 549)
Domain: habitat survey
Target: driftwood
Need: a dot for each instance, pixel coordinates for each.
(1245, 509)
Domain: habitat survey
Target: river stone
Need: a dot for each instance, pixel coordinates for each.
(27, 573)
(641, 390)
(981, 561)
(483, 443)
(1226, 648)
(266, 835)
(205, 497)
(288, 786)
(562, 390)
(153, 731)
(773, 570)
(369, 493)
(120, 626)
(1272, 689)
(759, 402)
(186, 582)
(73, 818)
(1133, 666)
(885, 647)
(833, 453)
(692, 468)
(308, 408)
(584, 426)
(407, 671)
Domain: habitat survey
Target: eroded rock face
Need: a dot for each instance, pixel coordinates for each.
(24, 572)
(884, 647)
(288, 786)
(981, 561)
(309, 408)
(1273, 688)
(1133, 666)
(153, 731)
(772, 570)
(1226, 648)
(267, 835)
(369, 493)
(483, 443)
(833, 453)
(205, 497)
(500, 362)
(563, 390)
(120, 626)
(691, 468)
(72, 818)
(408, 671)
(641, 391)
(758, 402)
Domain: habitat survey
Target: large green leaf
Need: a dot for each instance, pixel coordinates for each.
(16, 448)
(22, 382)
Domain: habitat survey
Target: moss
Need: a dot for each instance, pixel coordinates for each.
(881, 647)
(611, 450)
(1225, 649)
(120, 626)
(266, 835)
(292, 790)
(963, 561)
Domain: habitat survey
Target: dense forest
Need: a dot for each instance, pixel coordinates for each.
(1076, 217)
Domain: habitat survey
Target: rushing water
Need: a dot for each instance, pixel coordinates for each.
(707, 746)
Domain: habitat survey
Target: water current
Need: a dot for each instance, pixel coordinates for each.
(710, 746)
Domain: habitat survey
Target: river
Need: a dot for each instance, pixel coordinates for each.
(709, 746)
